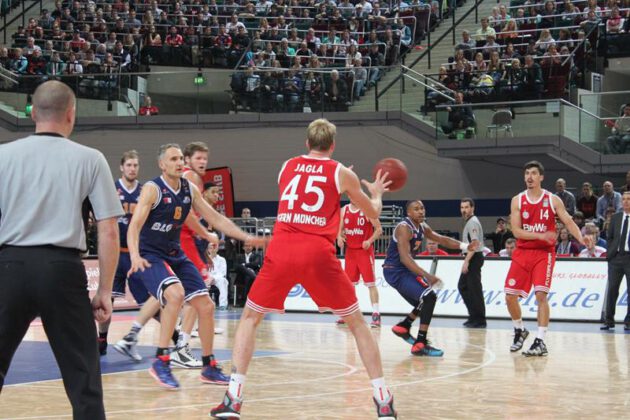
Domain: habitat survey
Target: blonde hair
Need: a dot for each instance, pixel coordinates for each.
(321, 134)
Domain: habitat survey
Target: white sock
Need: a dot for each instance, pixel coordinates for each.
(380, 390)
(518, 324)
(235, 388)
(375, 308)
(541, 332)
(183, 340)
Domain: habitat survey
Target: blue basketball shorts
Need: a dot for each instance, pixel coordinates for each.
(166, 270)
(136, 287)
(410, 286)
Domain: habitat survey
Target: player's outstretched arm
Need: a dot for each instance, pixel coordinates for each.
(195, 225)
(147, 198)
(403, 236)
(370, 205)
(447, 242)
(566, 218)
(222, 223)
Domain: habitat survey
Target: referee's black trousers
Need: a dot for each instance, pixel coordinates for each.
(50, 282)
(471, 290)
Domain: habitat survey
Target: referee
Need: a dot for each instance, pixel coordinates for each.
(470, 279)
(45, 179)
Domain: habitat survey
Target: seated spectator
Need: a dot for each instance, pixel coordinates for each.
(359, 79)
(566, 246)
(551, 56)
(592, 21)
(514, 79)
(20, 63)
(590, 228)
(174, 39)
(36, 64)
(594, 251)
(217, 275)
(148, 108)
(625, 187)
(570, 15)
(5, 60)
(544, 41)
(615, 22)
(491, 45)
(479, 64)
(250, 97)
(482, 33)
(609, 199)
(579, 220)
(290, 91)
(433, 250)
(592, 7)
(619, 140)
(466, 44)
(500, 235)
(546, 18)
(587, 203)
(336, 95)
(564, 38)
(534, 84)
(30, 46)
(509, 31)
(510, 246)
(460, 117)
(377, 59)
(247, 267)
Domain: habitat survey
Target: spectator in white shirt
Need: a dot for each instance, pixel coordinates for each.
(510, 246)
(594, 251)
(218, 274)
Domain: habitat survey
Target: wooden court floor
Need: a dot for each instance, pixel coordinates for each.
(308, 368)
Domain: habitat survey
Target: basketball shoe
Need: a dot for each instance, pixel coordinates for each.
(421, 348)
(538, 348)
(212, 374)
(102, 346)
(519, 339)
(376, 320)
(161, 371)
(181, 357)
(402, 331)
(127, 346)
(385, 410)
(230, 408)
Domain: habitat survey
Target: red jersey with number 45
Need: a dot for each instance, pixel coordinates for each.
(309, 197)
(537, 216)
(356, 227)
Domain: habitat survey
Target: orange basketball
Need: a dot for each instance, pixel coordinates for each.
(397, 172)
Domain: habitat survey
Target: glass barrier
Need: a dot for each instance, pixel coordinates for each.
(211, 92)
(498, 120)
(604, 104)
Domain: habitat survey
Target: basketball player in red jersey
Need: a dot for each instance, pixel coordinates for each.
(195, 161)
(358, 233)
(302, 251)
(533, 219)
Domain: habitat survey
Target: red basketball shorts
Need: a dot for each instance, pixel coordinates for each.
(360, 264)
(190, 249)
(530, 267)
(309, 260)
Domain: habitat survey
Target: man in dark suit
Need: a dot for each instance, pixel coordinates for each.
(336, 93)
(618, 256)
(247, 267)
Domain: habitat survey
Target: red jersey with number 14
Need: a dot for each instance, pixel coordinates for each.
(309, 197)
(537, 216)
(356, 227)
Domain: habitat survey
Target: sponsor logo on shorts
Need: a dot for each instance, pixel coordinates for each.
(512, 282)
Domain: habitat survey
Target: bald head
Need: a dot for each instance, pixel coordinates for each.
(51, 102)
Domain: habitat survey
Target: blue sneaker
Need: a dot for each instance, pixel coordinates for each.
(212, 374)
(425, 349)
(161, 371)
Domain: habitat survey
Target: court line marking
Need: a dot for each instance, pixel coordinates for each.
(351, 371)
(491, 359)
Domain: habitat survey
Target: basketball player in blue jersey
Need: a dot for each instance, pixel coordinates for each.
(153, 239)
(413, 283)
(128, 190)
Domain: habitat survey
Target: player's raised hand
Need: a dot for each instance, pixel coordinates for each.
(102, 306)
(138, 264)
(379, 185)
